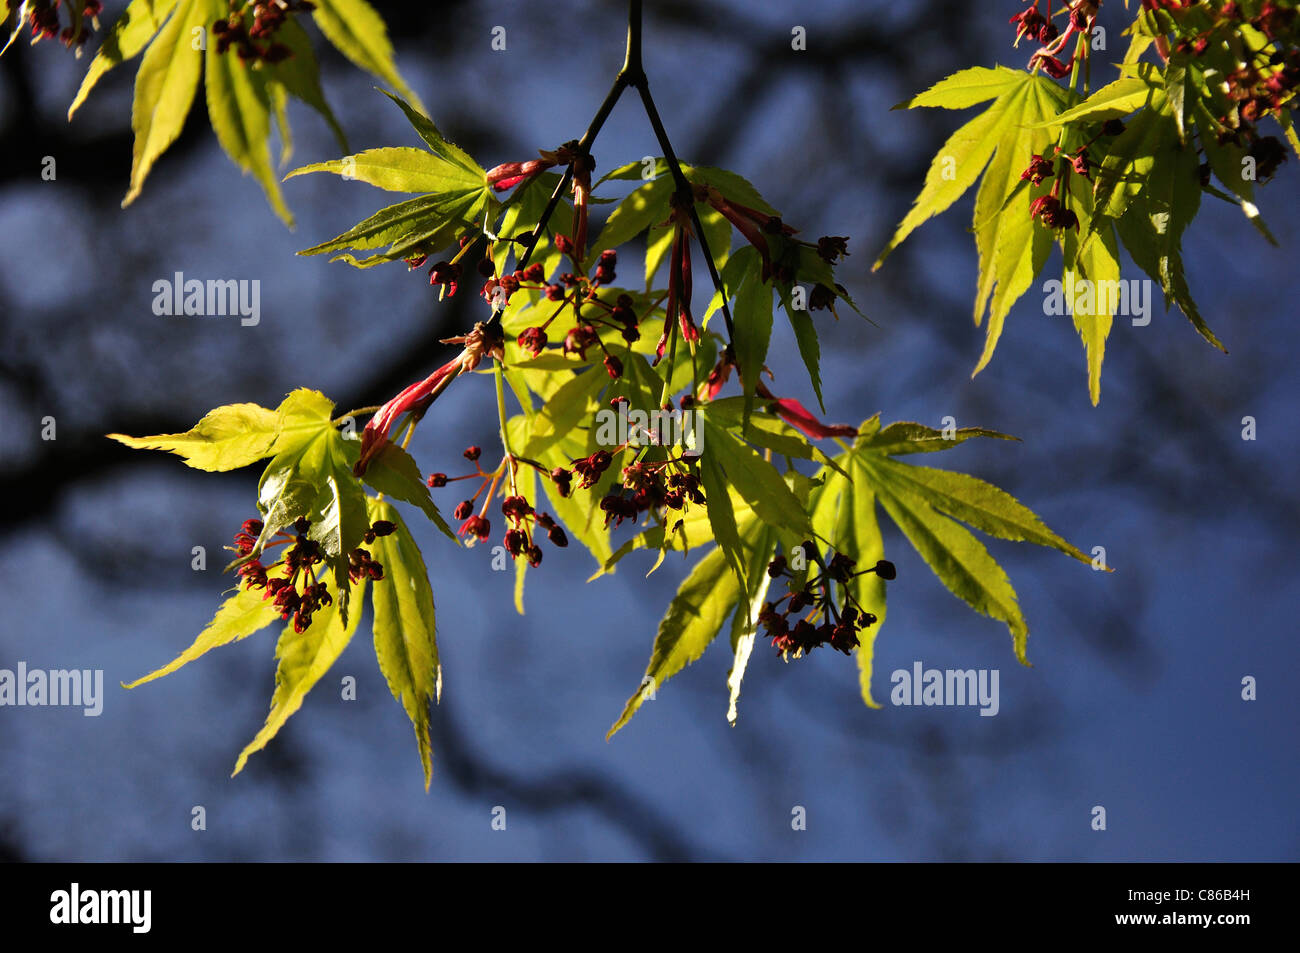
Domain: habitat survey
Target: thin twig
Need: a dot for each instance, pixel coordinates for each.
(631, 68)
(687, 193)
(501, 414)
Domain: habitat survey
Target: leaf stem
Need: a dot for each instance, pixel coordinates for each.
(354, 413)
(499, 374)
(1080, 53)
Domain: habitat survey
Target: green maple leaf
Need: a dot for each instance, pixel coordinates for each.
(995, 147)
(304, 658)
(405, 627)
(454, 196)
(241, 97)
(840, 506)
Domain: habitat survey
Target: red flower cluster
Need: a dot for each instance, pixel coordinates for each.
(300, 560)
(43, 15)
(524, 521)
(521, 519)
(1038, 26)
(839, 627)
(447, 274)
(579, 291)
(267, 17)
(1031, 23)
(592, 468)
(1039, 169)
(1050, 209)
(832, 248)
(1263, 85)
(660, 485)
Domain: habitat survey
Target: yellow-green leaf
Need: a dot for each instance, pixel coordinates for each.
(1091, 283)
(239, 617)
(304, 659)
(959, 560)
(405, 627)
(164, 90)
(359, 33)
(239, 108)
(695, 617)
(904, 437)
(744, 624)
(960, 161)
(967, 87)
(436, 141)
(400, 169)
(1117, 99)
(1123, 173)
(226, 438)
(132, 31)
(755, 480)
(643, 207)
(979, 504)
(1013, 247)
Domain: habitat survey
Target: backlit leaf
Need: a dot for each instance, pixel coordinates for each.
(164, 90)
(240, 616)
(694, 618)
(359, 33)
(405, 627)
(130, 33)
(304, 659)
(239, 109)
(227, 438)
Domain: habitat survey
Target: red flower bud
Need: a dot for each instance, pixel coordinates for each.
(532, 340)
(562, 479)
(799, 417)
(515, 541)
(506, 176)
